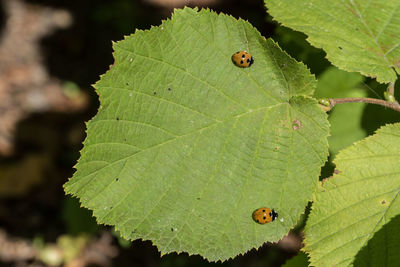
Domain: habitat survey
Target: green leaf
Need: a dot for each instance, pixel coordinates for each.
(300, 260)
(345, 119)
(356, 35)
(77, 220)
(355, 203)
(186, 145)
(295, 44)
(383, 249)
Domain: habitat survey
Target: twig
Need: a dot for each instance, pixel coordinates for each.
(392, 105)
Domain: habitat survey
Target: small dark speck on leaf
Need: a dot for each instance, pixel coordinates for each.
(169, 89)
(275, 149)
(198, 198)
(125, 139)
(117, 118)
(117, 179)
(357, 29)
(127, 83)
(383, 202)
(134, 231)
(340, 47)
(172, 229)
(154, 93)
(111, 207)
(296, 125)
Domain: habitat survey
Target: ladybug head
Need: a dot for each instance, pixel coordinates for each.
(273, 214)
(250, 61)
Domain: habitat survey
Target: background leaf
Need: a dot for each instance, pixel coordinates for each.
(345, 119)
(355, 203)
(295, 44)
(186, 144)
(300, 260)
(78, 220)
(383, 248)
(356, 35)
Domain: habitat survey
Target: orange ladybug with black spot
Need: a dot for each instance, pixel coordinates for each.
(264, 215)
(242, 59)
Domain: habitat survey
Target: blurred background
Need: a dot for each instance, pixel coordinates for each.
(51, 51)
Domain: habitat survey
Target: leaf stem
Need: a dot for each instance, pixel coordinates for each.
(389, 93)
(390, 88)
(392, 105)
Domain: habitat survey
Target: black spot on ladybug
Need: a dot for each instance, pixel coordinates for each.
(243, 56)
(241, 61)
(264, 217)
(257, 221)
(263, 210)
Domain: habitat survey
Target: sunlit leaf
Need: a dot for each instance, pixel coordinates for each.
(186, 144)
(355, 203)
(356, 35)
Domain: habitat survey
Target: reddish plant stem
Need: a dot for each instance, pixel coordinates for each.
(394, 106)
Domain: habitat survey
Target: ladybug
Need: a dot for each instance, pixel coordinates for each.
(242, 59)
(264, 215)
